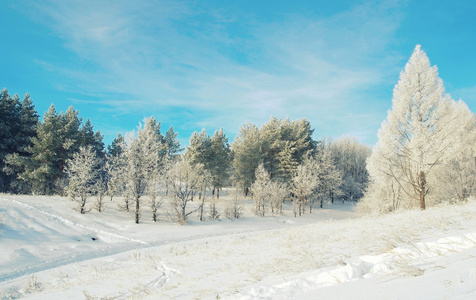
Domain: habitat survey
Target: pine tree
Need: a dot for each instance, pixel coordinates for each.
(117, 146)
(173, 145)
(246, 155)
(56, 140)
(90, 138)
(18, 121)
(220, 161)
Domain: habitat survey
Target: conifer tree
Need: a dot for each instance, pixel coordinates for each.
(173, 145)
(417, 136)
(246, 155)
(18, 122)
(220, 161)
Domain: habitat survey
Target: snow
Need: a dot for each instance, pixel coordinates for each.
(50, 251)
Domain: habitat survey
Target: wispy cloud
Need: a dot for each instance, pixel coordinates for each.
(216, 68)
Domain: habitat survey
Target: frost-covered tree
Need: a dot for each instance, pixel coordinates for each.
(417, 136)
(261, 189)
(455, 179)
(350, 157)
(142, 162)
(304, 183)
(265, 190)
(183, 178)
(83, 173)
(234, 209)
(329, 178)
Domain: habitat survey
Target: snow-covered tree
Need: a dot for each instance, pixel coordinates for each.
(455, 179)
(304, 183)
(261, 189)
(417, 136)
(83, 172)
(234, 209)
(329, 178)
(183, 178)
(350, 157)
(142, 162)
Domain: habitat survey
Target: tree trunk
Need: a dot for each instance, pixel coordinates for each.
(137, 210)
(218, 193)
(422, 190)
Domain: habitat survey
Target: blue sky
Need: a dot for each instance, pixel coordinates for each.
(218, 64)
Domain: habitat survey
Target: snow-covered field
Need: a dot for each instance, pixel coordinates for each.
(50, 251)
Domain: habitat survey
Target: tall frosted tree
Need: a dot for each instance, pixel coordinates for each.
(83, 171)
(418, 135)
(142, 162)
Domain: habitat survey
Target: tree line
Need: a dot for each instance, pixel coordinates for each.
(425, 155)
(64, 155)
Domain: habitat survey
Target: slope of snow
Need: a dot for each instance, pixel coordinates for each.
(51, 251)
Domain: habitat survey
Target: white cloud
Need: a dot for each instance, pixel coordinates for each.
(147, 56)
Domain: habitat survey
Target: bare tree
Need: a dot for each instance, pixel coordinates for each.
(233, 209)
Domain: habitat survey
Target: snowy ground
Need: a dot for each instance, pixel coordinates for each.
(51, 251)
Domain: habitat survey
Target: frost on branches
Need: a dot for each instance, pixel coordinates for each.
(83, 172)
(425, 131)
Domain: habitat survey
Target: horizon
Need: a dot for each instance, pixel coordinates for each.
(211, 65)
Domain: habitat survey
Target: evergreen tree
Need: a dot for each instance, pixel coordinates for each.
(246, 155)
(220, 161)
(173, 145)
(117, 146)
(57, 139)
(18, 121)
(90, 138)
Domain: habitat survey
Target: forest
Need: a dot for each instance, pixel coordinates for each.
(425, 155)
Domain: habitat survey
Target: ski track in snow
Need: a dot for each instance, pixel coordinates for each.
(94, 254)
(400, 261)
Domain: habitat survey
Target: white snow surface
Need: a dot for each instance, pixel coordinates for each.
(50, 251)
